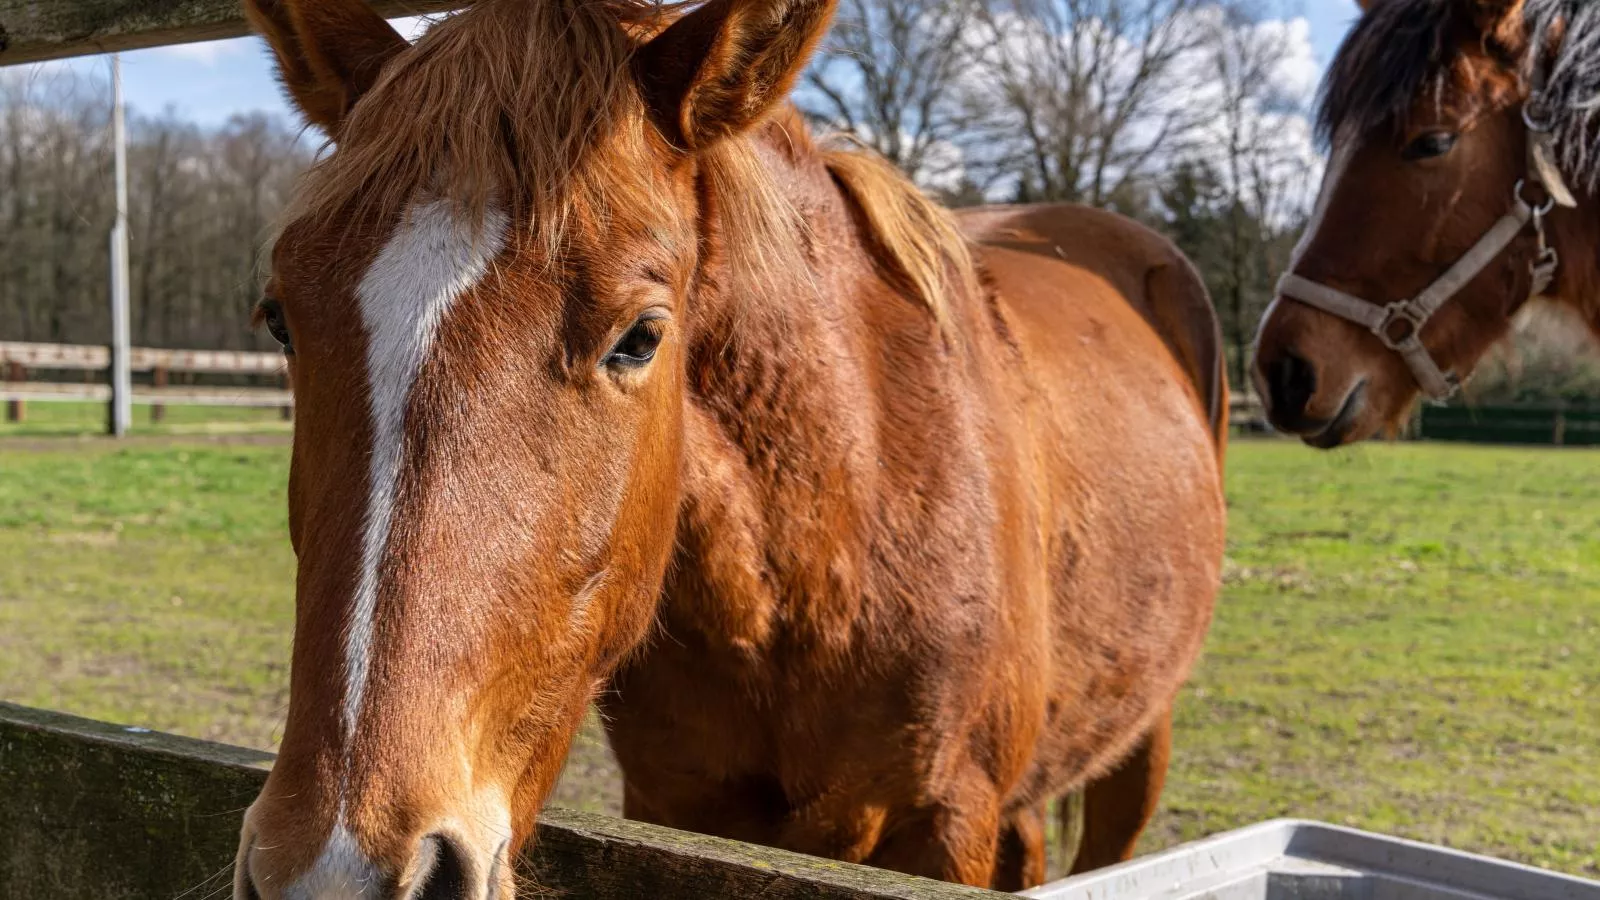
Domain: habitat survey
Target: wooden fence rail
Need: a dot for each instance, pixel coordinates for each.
(91, 810)
(17, 357)
(34, 30)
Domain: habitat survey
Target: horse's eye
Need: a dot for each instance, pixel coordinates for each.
(1434, 143)
(271, 314)
(638, 346)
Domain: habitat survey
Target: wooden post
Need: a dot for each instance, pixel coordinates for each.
(15, 410)
(1560, 436)
(120, 412)
(287, 411)
(158, 377)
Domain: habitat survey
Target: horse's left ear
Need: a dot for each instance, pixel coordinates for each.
(720, 69)
(329, 52)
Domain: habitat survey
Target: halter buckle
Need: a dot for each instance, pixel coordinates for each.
(1400, 326)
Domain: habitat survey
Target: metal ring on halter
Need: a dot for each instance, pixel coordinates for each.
(1539, 211)
(1541, 126)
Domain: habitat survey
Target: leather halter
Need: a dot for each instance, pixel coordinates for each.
(1399, 325)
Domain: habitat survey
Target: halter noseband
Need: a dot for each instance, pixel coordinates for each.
(1399, 325)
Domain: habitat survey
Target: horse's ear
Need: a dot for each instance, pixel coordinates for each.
(720, 69)
(1499, 21)
(329, 52)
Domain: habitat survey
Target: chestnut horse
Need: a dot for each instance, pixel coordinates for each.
(613, 384)
(1462, 182)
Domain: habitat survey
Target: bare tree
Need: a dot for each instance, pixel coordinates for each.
(1082, 99)
(1253, 143)
(888, 74)
(201, 202)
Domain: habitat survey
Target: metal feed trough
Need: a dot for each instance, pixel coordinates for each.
(1289, 859)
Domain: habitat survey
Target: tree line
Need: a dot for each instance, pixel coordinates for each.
(1188, 115)
(200, 202)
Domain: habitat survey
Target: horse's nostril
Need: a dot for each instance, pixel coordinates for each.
(447, 879)
(1292, 381)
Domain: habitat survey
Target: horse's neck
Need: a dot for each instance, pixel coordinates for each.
(784, 421)
(1577, 238)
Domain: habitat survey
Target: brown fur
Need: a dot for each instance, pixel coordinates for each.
(895, 541)
(1392, 226)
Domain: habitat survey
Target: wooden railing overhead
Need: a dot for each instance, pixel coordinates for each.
(34, 30)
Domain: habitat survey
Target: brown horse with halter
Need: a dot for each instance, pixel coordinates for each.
(1464, 138)
(870, 537)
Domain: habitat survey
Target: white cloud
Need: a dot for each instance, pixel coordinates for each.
(206, 53)
(413, 27)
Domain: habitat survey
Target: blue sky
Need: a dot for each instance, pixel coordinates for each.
(211, 81)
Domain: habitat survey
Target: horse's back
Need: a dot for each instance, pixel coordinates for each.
(1120, 345)
(1147, 272)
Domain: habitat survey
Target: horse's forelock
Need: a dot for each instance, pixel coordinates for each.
(1389, 58)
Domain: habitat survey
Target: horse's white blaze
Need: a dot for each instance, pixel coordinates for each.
(1343, 150)
(341, 872)
(430, 261)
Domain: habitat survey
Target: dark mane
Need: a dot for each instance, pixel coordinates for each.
(1572, 85)
(1395, 52)
(1404, 48)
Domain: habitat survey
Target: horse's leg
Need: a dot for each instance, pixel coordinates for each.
(1118, 805)
(952, 841)
(1020, 861)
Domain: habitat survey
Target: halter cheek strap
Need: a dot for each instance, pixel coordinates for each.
(1399, 325)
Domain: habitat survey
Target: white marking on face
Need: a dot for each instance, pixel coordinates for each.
(341, 872)
(430, 261)
(1338, 163)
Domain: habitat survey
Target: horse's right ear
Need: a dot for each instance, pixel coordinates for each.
(329, 52)
(718, 70)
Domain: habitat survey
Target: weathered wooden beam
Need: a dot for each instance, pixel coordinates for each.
(99, 811)
(140, 359)
(34, 30)
(183, 395)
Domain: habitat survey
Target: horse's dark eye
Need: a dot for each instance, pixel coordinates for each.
(1434, 143)
(271, 313)
(638, 346)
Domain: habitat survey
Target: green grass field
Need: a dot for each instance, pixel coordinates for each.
(1408, 640)
(56, 419)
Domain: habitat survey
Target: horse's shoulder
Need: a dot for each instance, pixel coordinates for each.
(1148, 270)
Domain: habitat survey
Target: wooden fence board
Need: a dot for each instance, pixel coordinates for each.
(93, 810)
(33, 30)
(140, 359)
(172, 396)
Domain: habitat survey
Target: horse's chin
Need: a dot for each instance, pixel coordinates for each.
(1355, 421)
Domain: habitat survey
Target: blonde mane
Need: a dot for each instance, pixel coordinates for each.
(530, 103)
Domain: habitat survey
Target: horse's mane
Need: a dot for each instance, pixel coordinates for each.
(1572, 87)
(526, 103)
(1402, 48)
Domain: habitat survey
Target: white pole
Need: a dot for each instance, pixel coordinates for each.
(121, 412)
